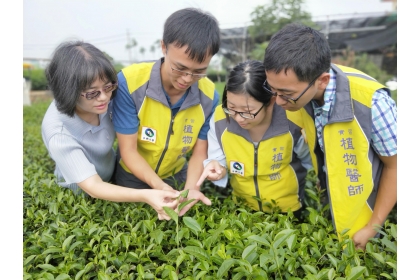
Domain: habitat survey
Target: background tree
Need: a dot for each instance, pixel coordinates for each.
(142, 50)
(131, 44)
(268, 19)
(153, 50)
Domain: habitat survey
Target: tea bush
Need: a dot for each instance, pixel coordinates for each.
(76, 237)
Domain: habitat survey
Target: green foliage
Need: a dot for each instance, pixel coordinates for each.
(220, 86)
(69, 236)
(268, 19)
(259, 51)
(362, 62)
(37, 77)
(39, 80)
(216, 76)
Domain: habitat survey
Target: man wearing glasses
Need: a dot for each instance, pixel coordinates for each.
(162, 108)
(351, 125)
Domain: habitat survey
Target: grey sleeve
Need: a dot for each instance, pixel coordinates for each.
(70, 159)
(215, 152)
(302, 151)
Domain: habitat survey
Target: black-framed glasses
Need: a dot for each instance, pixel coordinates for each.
(184, 73)
(245, 115)
(267, 88)
(93, 94)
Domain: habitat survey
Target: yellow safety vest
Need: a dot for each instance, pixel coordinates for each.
(352, 167)
(163, 139)
(267, 176)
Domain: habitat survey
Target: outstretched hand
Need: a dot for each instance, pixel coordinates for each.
(213, 172)
(361, 237)
(160, 198)
(198, 196)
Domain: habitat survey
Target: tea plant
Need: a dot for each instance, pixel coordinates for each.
(68, 236)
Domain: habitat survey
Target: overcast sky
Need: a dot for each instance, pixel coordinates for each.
(108, 23)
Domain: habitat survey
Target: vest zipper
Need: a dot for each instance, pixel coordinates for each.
(257, 191)
(170, 132)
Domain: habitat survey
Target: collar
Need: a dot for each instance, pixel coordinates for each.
(155, 88)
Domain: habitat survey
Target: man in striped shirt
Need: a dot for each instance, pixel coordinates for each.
(351, 125)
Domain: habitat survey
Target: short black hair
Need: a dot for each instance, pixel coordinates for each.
(298, 47)
(247, 78)
(195, 28)
(74, 66)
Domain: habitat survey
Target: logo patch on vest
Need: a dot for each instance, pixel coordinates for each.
(148, 134)
(237, 168)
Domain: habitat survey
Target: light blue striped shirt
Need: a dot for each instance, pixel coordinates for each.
(384, 118)
(79, 150)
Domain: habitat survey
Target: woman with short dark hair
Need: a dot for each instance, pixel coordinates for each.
(77, 128)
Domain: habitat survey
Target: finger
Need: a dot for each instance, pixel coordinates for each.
(171, 203)
(201, 179)
(205, 200)
(171, 193)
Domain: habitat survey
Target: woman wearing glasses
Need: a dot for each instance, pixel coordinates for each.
(252, 139)
(77, 129)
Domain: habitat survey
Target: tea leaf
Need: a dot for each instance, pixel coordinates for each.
(197, 252)
(390, 245)
(192, 224)
(356, 272)
(259, 239)
(379, 257)
(157, 235)
(228, 233)
(47, 266)
(333, 260)
(291, 241)
(331, 274)
(67, 242)
(52, 250)
(393, 265)
(171, 213)
(140, 271)
(79, 274)
(200, 274)
(103, 276)
(226, 265)
(185, 203)
(184, 193)
(180, 258)
(62, 276)
(309, 268)
(248, 250)
(133, 255)
(125, 241)
(386, 275)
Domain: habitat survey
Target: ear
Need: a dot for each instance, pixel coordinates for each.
(273, 100)
(163, 47)
(324, 79)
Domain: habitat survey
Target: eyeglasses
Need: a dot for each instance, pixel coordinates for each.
(183, 73)
(267, 88)
(245, 115)
(93, 94)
